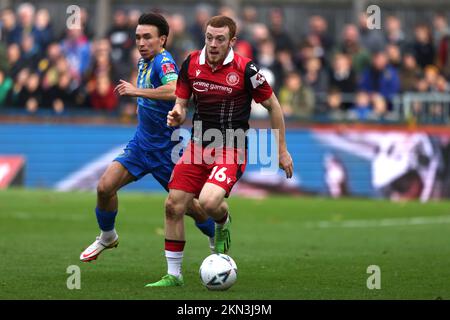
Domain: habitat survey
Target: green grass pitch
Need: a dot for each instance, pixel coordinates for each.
(285, 248)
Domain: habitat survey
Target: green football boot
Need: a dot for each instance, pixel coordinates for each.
(167, 281)
(222, 241)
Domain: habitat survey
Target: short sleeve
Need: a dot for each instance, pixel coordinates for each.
(256, 83)
(168, 70)
(183, 90)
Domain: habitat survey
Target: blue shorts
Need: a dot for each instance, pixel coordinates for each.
(139, 162)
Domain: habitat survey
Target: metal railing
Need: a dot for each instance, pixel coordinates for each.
(410, 107)
(419, 107)
(426, 107)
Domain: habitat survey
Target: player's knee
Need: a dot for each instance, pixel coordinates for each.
(104, 189)
(209, 205)
(174, 210)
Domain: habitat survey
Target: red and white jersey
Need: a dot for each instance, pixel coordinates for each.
(222, 97)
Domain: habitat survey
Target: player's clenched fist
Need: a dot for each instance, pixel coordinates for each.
(176, 116)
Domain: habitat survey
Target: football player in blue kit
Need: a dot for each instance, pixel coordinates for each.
(149, 151)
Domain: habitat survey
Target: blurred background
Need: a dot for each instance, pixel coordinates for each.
(367, 111)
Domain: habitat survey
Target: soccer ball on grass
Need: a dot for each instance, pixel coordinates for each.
(218, 272)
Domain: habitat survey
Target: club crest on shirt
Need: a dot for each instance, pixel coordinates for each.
(232, 78)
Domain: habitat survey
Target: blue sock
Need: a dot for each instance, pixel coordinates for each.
(207, 227)
(105, 219)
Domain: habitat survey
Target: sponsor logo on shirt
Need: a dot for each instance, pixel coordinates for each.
(203, 86)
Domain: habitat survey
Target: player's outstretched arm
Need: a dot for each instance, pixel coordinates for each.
(177, 115)
(164, 92)
(277, 123)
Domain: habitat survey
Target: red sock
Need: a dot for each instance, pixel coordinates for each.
(174, 245)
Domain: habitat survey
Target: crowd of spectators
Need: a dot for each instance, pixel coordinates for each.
(356, 75)
(70, 70)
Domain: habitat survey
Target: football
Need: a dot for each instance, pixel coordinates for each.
(218, 272)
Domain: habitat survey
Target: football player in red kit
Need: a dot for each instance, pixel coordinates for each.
(223, 85)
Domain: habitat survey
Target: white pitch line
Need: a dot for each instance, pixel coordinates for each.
(392, 222)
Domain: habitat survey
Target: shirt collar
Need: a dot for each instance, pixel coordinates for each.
(228, 59)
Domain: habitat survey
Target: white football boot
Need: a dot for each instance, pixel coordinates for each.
(94, 250)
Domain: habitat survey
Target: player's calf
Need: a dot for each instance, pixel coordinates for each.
(212, 202)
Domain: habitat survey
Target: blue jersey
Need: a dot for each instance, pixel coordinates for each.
(152, 132)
